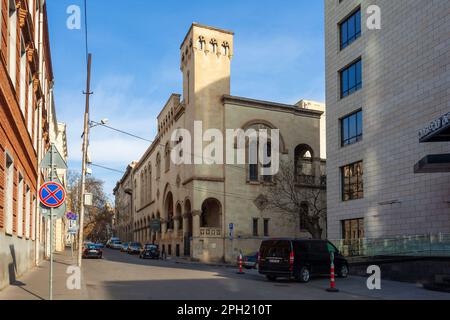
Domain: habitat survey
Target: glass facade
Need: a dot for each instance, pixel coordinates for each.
(351, 128)
(352, 181)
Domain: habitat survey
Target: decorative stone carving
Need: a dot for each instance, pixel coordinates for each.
(261, 202)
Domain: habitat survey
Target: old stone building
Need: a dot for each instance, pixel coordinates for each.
(123, 218)
(383, 86)
(188, 208)
(26, 82)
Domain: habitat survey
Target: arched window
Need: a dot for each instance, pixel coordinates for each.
(225, 48)
(213, 43)
(142, 189)
(167, 157)
(149, 183)
(255, 164)
(304, 169)
(158, 165)
(201, 42)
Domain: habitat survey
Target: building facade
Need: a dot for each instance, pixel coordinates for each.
(382, 86)
(123, 217)
(188, 208)
(26, 82)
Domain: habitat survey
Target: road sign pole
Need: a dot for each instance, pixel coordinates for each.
(51, 234)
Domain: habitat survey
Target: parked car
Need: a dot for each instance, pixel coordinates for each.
(116, 245)
(299, 259)
(124, 247)
(99, 245)
(249, 261)
(150, 251)
(111, 241)
(91, 251)
(134, 248)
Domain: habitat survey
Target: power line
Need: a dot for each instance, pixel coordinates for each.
(86, 30)
(107, 168)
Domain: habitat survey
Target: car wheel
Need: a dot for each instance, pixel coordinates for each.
(343, 271)
(304, 275)
(271, 278)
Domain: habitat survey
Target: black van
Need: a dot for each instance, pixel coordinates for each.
(299, 259)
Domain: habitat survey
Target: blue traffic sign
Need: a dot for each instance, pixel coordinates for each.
(71, 216)
(231, 226)
(52, 194)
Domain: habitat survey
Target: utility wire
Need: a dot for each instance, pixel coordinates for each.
(86, 30)
(106, 168)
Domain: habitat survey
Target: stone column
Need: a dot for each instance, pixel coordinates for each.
(185, 224)
(196, 223)
(176, 225)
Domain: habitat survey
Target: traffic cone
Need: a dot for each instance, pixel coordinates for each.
(332, 287)
(240, 265)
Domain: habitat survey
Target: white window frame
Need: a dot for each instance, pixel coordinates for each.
(27, 211)
(33, 217)
(30, 110)
(9, 187)
(23, 75)
(20, 188)
(12, 42)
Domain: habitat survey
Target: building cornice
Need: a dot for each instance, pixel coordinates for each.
(269, 105)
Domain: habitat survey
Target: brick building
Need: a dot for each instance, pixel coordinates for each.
(383, 86)
(26, 81)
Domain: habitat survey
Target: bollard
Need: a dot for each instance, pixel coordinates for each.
(240, 264)
(332, 287)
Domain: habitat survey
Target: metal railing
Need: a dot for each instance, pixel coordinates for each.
(427, 245)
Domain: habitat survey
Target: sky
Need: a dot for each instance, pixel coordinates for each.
(278, 56)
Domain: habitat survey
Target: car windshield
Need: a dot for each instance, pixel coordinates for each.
(90, 246)
(151, 246)
(136, 244)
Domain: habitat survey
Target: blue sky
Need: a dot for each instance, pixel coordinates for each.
(278, 56)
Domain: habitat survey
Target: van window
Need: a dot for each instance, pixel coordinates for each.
(319, 247)
(279, 249)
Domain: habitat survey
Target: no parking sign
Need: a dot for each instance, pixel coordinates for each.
(52, 194)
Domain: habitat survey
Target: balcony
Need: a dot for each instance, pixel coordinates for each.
(210, 232)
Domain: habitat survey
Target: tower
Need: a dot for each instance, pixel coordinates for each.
(206, 54)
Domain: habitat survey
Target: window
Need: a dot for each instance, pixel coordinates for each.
(20, 207)
(9, 185)
(255, 227)
(267, 155)
(350, 29)
(351, 79)
(23, 75)
(304, 169)
(353, 229)
(33, 219)
(30, 109)
(352, 181)
(27, 212)
(12, 41)
(167, 157)
(266, 227)
(351, 128)
(158, 166)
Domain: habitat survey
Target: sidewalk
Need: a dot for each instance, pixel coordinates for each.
(35, 284)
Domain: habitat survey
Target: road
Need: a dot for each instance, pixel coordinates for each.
(122, 276)
(119, 276)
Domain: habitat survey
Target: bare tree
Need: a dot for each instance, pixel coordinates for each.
(305, 204)
(98, 217)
